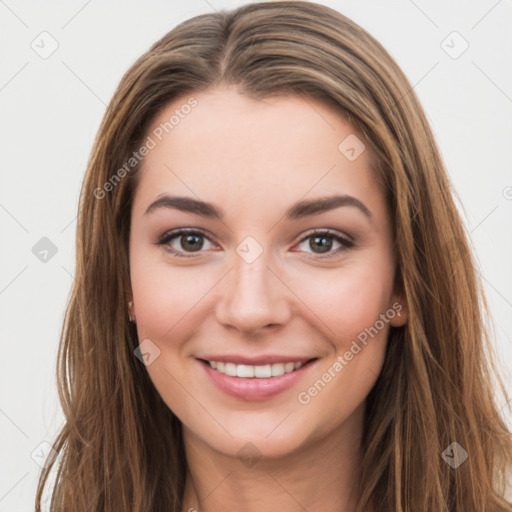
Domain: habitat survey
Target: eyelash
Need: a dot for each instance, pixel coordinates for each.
(167, 237)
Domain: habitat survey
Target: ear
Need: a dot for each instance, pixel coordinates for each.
(400, 308)
(128, 294)
(129, 302)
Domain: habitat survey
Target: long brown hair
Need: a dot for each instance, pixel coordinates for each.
(121, 447)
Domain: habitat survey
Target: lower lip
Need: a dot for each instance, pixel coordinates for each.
(255, 389)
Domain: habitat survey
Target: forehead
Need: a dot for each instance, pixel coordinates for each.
(229, 146)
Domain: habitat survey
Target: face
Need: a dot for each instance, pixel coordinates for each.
(240, 273)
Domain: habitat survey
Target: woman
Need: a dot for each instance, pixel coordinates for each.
(275, 304)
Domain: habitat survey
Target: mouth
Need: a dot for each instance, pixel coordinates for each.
(246, 371)
(255, 382)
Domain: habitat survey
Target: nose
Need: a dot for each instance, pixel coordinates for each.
(253, 297)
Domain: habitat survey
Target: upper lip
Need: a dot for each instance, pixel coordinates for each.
(255, 360)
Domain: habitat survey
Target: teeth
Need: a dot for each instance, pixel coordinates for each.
(263, 372)
(259, 372)
(243, 370)
(230, 369)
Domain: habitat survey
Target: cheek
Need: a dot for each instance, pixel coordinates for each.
(164, 298)
(164, 295)
(348, 300)
(355, 304)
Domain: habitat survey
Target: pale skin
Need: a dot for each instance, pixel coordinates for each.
(253, 160)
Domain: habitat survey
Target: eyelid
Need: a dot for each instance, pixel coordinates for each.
(166, 237)
(346, 241)
(327, 231)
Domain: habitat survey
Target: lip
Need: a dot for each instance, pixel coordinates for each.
(255, 389)
(255, 361)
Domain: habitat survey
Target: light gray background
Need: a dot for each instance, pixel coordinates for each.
(51, 108)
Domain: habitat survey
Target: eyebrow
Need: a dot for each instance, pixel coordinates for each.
(297, 211)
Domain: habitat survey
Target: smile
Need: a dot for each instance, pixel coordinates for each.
(254, 372)
(255, 382)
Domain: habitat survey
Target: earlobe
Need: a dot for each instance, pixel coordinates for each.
(130, 305)
(398, 312)
(131, 311)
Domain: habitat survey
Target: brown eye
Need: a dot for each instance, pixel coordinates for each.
(182, 242)
(191, 242)
(322, 242)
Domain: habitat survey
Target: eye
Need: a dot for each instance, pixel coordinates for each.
(182, 241)
(321, 242)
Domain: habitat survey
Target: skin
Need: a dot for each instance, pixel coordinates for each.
(254, 159)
